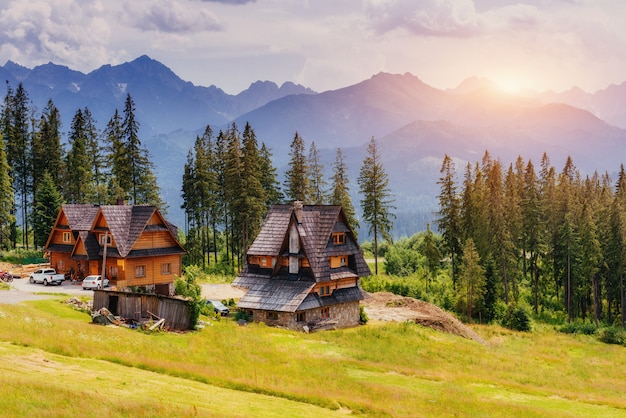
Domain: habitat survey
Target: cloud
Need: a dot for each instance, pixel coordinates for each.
(233, 2)
(171, 17)
(61, 31)
(439, 18)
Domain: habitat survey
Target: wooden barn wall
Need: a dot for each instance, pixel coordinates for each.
(138, 306)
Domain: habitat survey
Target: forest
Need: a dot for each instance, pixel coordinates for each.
(554, 240)
(228, 181)
(37, 173)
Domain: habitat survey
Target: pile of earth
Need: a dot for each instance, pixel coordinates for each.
(385, 306)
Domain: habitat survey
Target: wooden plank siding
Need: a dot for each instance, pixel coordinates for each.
(157, 239)
(138, 306)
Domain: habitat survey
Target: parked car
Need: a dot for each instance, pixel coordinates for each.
(46, 276)
(95, 282)
(219, 307)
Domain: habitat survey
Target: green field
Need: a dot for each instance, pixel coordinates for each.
(54, 362)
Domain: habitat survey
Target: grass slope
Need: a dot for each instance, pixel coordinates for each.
(55, 363)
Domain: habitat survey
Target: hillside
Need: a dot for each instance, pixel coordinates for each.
(381, 369)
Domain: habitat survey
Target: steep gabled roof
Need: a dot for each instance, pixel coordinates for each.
(273, 231)
(80, 217)
(126, 223)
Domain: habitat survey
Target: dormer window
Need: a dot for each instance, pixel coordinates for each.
(325, 291)
(105, 239)
(67, 237)
(339, 238)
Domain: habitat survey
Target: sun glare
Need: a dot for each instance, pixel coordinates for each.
(510, 85)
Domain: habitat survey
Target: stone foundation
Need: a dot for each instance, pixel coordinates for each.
(346, 314)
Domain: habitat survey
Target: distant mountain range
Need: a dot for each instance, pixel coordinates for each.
(414, 123)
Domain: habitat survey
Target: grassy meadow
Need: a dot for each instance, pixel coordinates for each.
(54, 362)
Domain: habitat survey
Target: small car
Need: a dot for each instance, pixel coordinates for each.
(219, 307)
(95, 282)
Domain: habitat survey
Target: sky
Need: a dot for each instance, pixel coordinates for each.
(329, 44)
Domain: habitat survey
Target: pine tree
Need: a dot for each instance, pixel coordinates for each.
(136, 178)
(116, 158)
(49, 201)
(78, 185)
(431, 253)
(316, 175)
(340, 191)
(19, 152)
(472, 279)
(95, 152)
(376, 199)
(297, 178)
(268, 178)
(449, 215)
(7, 219)
(251, 202)
(47, 148)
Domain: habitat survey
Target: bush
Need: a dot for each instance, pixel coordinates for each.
(363, 316)
(612, 335)
(578, 327)
(516, 318)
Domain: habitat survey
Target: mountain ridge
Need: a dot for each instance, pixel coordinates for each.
(416, 124)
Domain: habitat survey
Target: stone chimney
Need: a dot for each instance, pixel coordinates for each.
(298, 209)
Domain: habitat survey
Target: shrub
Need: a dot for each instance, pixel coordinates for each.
(363, 316)
(578, 327)
(516, 318)
(612, 335)
(242, 315)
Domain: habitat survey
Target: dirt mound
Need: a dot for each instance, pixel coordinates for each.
(385, 306)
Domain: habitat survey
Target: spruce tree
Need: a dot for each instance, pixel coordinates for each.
(340, 191)
(49, 201)
(297, 178)
(47, 148)
(19, 152)
(472, 279)
(78, 185)
(7, 218)
(316, 175)
(377, 201)
(449, 215)
(95, 151)
(268, 177)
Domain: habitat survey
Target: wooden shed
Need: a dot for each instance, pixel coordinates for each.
(140, 306)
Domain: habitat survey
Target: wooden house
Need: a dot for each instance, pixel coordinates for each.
(303, 269)
(135, 243)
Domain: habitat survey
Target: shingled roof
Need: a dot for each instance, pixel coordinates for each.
(270, 289)
(80, 217)
(126, 223)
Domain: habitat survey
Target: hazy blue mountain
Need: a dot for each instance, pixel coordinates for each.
(414, 123)
(164, 102)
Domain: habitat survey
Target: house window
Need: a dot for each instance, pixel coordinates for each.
(140, 271)
(301, 317)
(344, 261)
(67, 237)
(324, 290)
(166, 268)
(105, 239)
(267, 261)
(113, 271)
(272, 316)
(339, 238)
(325, 313)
